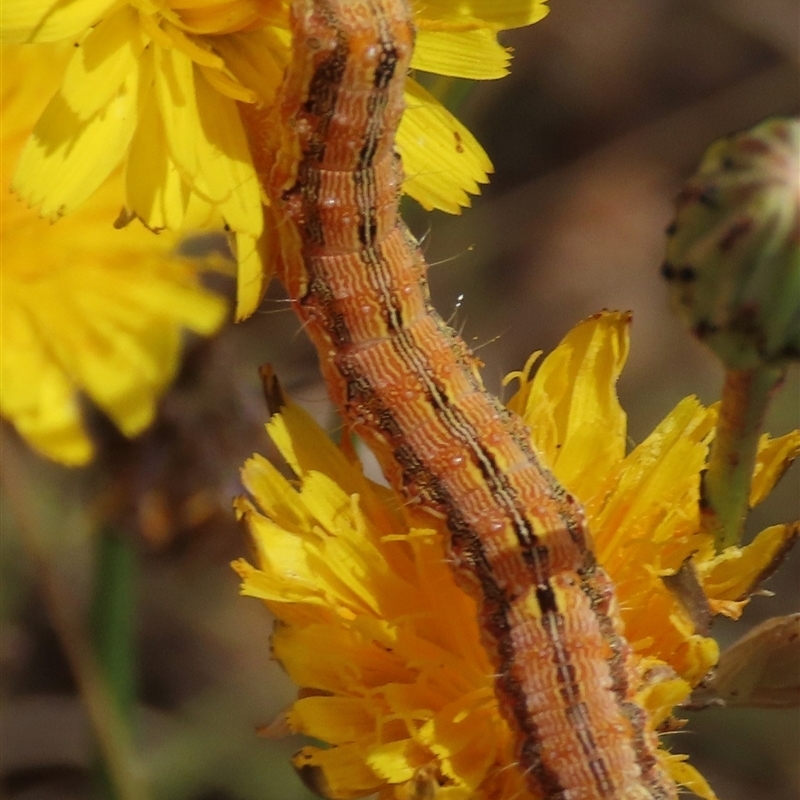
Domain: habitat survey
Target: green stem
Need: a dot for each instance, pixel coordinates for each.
(111, 734)
(113, 631)
(726, 487)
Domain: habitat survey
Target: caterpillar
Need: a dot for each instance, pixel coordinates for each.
(411, 389)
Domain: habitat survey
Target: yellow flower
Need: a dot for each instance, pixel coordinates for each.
(644, 507)
(159, 86)
(387, 648)
(85, 308)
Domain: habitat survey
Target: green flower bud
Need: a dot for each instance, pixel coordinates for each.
(733, 255)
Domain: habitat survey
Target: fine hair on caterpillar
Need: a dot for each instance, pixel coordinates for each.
(409, 386)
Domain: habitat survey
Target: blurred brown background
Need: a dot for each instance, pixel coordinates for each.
(607, 110)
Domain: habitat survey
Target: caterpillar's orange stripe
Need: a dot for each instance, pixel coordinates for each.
(410, 387)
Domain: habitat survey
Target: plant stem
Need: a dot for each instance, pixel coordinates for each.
(113, 631)
(726, 486)
(111, 734)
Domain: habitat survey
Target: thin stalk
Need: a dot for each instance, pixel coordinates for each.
(110, 731)
(726, 486)
(113, 631)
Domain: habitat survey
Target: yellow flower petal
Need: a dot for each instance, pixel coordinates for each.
(333, 719)
(227, 86)
(198, 50)
(206, 141)
(687, 776)
(257, 260)
(102, 62)
(775, 456)
(226, 17)
(138, 357)
(339, 773)
(351, 658)
(461, 54)
(175, 90)
(276, 497)
(298, 438)
(571, 404)
(735, 572)
(270, 585)
(442, 160)
(257, 59)
(66, 159)
(229, 178)
(465, 739)
(396, 762)
(46, 20)
(482, 13)
(642, 508)
(661, 697)
(154, 188)
(44, 409)
(656, 492)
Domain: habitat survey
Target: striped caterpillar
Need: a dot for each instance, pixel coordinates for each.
(409, 386)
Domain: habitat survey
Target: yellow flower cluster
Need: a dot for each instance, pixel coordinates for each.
(85, 308)
(385, 646)
(158, 86)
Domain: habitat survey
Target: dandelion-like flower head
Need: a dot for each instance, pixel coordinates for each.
(386, 648)
(159, 86)
(85, 308)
